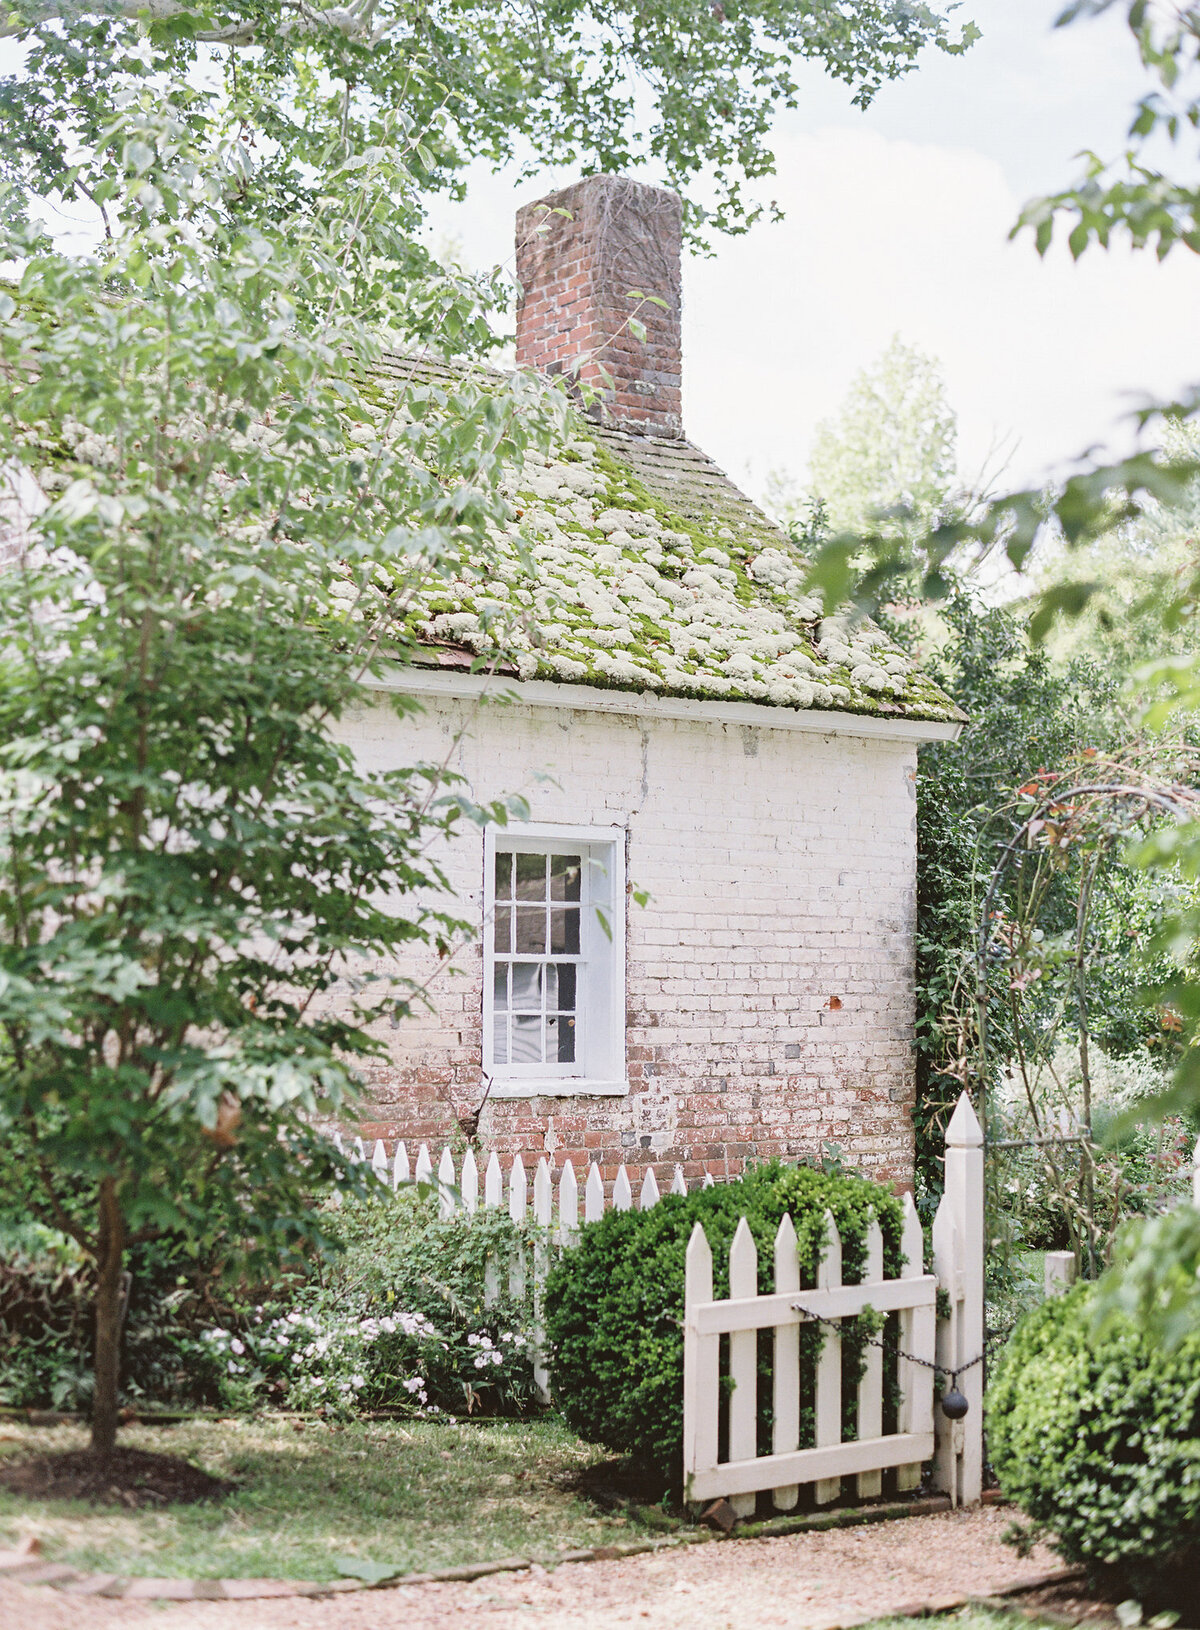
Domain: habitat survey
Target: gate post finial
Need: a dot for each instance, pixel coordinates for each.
(964, 1130)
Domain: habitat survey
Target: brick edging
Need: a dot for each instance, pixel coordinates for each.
(27, 1568)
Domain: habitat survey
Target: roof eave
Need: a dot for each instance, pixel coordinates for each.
(542, 693)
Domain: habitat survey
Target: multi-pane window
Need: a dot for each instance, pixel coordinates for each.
(535, 974)
(554, 960)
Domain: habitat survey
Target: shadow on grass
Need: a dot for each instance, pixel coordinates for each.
(417, 1495)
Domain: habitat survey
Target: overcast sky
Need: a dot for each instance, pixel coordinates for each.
(898, 222)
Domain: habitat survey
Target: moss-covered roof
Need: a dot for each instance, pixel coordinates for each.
(635, 563)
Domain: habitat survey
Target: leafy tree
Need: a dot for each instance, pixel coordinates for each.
(216, 516)
(690, 88)
(1030, 709)
(1132, 199)
(891, 445)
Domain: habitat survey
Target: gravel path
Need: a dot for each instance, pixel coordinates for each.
(798, 1581)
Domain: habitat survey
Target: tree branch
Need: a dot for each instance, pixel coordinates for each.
(353, 22)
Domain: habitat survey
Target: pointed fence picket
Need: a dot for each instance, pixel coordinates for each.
(828, 1406)
(915, 1415)
(870, 1386)
(743, 1360)
(568, 1206)
(785, 1431)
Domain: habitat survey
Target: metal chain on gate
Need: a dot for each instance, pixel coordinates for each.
(954, 1405)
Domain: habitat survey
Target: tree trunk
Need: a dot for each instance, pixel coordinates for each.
(108, 1320)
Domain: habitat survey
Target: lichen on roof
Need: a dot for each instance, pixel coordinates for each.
(634, 563)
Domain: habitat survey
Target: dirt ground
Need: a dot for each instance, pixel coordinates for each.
(798, 1581)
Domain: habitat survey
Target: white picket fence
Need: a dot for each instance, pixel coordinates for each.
(921, 1432)
(558, 1223)
(460, 1186)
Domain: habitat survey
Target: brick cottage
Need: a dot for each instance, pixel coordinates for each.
(688, 730)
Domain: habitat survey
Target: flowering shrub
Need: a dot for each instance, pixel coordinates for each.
(400, 1321)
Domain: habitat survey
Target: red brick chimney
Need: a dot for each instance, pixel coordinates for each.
(576, 272)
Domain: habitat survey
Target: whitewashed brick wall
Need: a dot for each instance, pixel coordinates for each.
(769, 985)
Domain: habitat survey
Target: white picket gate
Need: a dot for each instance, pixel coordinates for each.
(954, 1343)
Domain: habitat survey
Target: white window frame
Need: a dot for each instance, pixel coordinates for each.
(599, 1067)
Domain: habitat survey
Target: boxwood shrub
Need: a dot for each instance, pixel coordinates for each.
(1095, 1434)
(614, 1303)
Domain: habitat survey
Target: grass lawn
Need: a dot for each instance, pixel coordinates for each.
(968, 1618)
(418, 1494)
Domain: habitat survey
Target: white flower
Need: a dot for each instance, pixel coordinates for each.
(236, 1347)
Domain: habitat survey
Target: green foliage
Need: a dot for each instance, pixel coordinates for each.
(1155, 1279)
(1093, 1432)
(1132, 197)
(1138, 1171)
(45, 1301)
(891, 446)
(403, 1262)
(614, 1304)
(213, 538)
(690, 89)
(47, 1325)
(1023, 713)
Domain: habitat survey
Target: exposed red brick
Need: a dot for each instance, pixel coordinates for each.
(576, 272)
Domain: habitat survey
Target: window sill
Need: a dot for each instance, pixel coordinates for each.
(558, 1086)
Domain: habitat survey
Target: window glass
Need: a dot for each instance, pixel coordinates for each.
(565, 874)
(536, 925)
